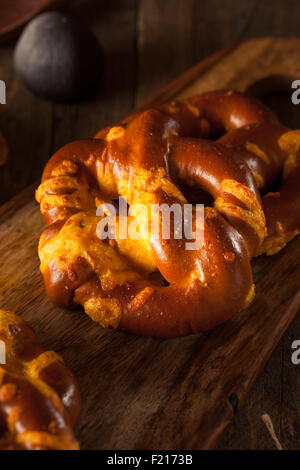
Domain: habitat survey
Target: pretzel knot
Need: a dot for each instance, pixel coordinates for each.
(39, 397)
(219, 148)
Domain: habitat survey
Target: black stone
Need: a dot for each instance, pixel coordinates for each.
(57, 57)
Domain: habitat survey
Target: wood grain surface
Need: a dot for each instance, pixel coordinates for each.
(15, 14)
(137, 392)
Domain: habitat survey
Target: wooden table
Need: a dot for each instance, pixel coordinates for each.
(147, 44)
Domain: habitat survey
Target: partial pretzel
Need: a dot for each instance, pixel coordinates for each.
(39, 398)
(164, 156)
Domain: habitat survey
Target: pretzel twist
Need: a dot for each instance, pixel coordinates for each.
(39, 397)
(165, 155)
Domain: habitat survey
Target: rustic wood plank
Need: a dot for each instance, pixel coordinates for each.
(35, 128)
(18, 201)
(26, 123)
(115, 96)
(14, 15)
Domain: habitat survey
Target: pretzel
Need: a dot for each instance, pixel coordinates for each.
(169, 155)
(39, 398)
(3, 150)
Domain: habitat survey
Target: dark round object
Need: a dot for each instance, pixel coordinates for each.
(58, 58)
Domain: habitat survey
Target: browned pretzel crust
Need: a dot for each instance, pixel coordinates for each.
(39, 397)
(166, 155)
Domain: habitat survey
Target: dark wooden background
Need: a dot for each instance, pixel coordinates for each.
(147, 43)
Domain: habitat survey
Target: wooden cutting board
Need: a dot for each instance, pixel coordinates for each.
(142, 393)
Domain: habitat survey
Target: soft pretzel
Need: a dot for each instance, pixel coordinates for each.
(39, 398)
(3, 150)
(166, 155)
